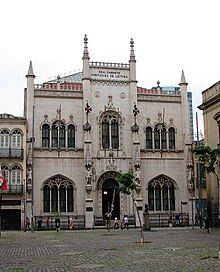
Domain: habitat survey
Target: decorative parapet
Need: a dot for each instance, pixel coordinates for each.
(211, 92)
(59, 86)
(99, 64)
(158, 91)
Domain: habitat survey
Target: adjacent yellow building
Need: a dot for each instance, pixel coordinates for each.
(211, 112)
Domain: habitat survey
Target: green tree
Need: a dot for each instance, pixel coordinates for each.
(126, 186)
(208, 157)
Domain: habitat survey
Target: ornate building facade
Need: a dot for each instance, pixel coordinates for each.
(93, 125)
(13, 165)
(211, 112)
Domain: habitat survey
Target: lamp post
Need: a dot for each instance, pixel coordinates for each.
(199, 177)
(32, 176)
(190, 180)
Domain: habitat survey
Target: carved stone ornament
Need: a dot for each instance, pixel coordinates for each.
(88, 188)
(97, 94)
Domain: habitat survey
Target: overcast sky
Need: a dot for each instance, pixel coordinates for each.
(169, 35)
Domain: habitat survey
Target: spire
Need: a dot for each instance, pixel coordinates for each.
(132, 56)
(85, 52)
(183, 79)
(30, 71)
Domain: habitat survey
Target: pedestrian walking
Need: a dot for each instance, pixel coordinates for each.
(57, 224)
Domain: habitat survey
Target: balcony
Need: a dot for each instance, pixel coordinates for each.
(13, 190)
(11, 153)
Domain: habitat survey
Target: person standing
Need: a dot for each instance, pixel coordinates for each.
(39, 223)
(28, 223)
(57, 224)
(116, 226)
(126, 222)
(48, 222)
(71, 223)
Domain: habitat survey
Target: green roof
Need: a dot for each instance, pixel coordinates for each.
(74, 78)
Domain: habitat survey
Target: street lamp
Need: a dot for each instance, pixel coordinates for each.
(190, 180)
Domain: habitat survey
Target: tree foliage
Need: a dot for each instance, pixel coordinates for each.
(126, 183)
(208, 156)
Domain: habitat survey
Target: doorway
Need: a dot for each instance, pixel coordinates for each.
(110, 195)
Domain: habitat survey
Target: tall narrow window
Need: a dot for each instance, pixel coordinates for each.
(151, 198)
(165, 198)
(71, 136)
(105, 134)
(16, 143)
(46, 197)
(16, 178)
(4, 143)
(62, 191)
(156, 138)
(172, 197)
(62, 136)
(164, 138)
(114, 130)
(70, 198)
(109, 126)
(158, 197)
(172, 138)
(54, 135)
(16, 175)
(16, 139)
(149, 142)
(54, 198)
(45, 136)
(5, 170)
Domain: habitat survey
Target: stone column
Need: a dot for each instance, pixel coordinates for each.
(89, 213)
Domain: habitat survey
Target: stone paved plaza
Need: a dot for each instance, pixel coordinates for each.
(165, 249)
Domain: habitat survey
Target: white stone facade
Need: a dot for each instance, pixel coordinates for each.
(110, 114)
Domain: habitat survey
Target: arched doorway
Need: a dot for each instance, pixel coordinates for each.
(109, 191)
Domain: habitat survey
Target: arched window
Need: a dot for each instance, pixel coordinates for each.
(16, 143)
(161, 194)
(16, 175)
(149, 142)
(58, 195)
(110, 131)
(45, 136)
(4, 140)
(156, 137)
(62, 136)
(160, 137)
(172, 138)
(4, 143)
(58, 135)
(71, 136)
(6, 173)
(164, 138)
(54, 135)
(16, 139)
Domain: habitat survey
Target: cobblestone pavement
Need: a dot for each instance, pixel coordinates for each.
(174, 249)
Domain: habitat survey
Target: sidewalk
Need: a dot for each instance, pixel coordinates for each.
(165, 249)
